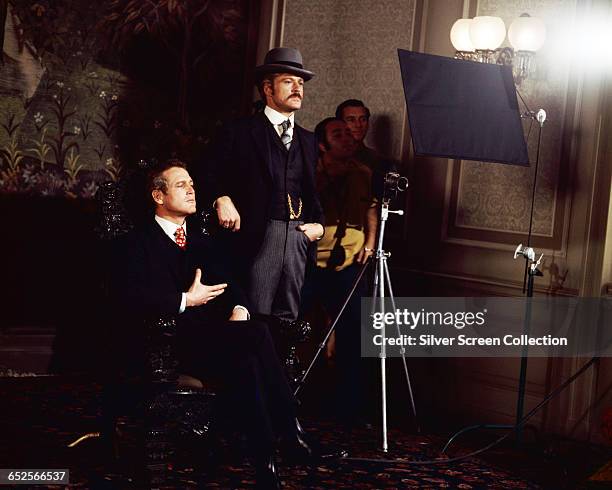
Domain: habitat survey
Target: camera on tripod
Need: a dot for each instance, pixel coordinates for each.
(392, 184)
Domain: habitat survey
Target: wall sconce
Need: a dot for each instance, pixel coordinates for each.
(480, 38)
(487, 34)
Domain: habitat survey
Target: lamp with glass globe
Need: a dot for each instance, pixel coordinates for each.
(487, 33)
(460, 37)
(526, 35)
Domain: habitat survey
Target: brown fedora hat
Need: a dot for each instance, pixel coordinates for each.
(283, 60)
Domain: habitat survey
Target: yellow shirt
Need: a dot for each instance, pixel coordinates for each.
(348, 198)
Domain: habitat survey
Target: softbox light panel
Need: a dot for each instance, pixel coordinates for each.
(462, 109)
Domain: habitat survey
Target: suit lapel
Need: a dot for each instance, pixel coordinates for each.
(259, 132)
(172, 255)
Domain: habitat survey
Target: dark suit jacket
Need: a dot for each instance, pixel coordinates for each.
(240, 169)
(151, 272)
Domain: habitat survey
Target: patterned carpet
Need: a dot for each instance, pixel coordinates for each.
(39, 416)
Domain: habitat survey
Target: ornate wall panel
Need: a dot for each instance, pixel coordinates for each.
(352, 47)
(491, 202)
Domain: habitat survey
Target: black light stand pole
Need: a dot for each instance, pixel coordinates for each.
(531, 270)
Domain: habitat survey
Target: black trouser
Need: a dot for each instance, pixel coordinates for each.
(240, 356)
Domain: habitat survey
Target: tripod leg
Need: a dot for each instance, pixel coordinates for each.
(331, 328)
(380, 283)
(403, 350)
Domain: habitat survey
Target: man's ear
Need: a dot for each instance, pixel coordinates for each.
(322, 147)
(158, 196)
(268, 89)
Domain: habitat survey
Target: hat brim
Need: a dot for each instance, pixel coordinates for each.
(262, 70)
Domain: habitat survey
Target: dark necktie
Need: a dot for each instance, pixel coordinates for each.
(181, 238)
(285, 136)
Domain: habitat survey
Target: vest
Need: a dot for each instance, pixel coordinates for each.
(287, 169)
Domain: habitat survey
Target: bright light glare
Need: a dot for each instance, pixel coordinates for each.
(587, 44)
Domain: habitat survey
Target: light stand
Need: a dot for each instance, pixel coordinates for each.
(531, 270)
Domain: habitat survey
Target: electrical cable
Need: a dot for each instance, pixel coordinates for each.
(522, 422)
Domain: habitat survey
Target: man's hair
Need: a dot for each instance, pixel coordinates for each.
(321, 131)
(267, 78)
(351, 103)
(155, 178)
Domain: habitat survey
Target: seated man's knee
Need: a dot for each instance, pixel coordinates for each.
(258, 332)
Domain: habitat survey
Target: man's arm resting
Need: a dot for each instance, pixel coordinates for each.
(314, 231)
(227, 213)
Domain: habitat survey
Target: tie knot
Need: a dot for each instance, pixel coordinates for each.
(181, 239)
(286, 124)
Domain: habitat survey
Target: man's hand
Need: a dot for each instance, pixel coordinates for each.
(227, 213)
(200, 294)
(364, 254)
(239, 315)
(313, 231)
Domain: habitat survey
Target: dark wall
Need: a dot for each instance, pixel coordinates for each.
(108, 84)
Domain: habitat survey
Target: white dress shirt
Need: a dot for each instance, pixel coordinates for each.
(276, 118)
(170, 229)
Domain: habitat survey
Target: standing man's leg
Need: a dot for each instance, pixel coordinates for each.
(286, 305)
(266, 270)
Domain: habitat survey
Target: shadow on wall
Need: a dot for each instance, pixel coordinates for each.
(382, 134)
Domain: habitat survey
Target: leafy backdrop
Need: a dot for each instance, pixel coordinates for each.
(89, 88)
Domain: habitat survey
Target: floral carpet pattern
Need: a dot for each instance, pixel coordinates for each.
(39, 416)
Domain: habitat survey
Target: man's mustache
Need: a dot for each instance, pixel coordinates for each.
(295, 95)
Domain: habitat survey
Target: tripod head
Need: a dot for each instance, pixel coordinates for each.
(393, 183)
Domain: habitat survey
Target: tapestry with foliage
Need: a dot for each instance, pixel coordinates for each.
(88, 89)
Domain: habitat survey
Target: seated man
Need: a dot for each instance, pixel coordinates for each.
(345, 190)
(167, 268)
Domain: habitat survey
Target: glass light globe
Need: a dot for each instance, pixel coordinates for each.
(460, 35)
(487, 32)
(527, 33)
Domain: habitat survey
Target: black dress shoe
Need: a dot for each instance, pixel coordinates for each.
(267, 475)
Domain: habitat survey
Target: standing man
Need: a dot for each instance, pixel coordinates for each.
(264, 189)
(357, 116)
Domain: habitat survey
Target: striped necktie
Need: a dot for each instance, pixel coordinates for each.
(285, 136)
